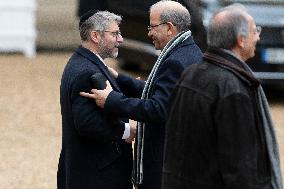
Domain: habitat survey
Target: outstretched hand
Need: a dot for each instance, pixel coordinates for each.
(99, 96)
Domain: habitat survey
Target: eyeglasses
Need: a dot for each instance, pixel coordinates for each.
(258, 30)
(113, 33)
(153, 26)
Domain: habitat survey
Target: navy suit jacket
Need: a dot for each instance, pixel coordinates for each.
(153, 111)
(93, 154)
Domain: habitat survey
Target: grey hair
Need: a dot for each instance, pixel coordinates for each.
(99, 21)
(173, 12)
(224, 34)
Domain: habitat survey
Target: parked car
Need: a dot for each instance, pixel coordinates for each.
(138, 52)
(268, 63)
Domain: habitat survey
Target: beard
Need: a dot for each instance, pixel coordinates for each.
(106, 51)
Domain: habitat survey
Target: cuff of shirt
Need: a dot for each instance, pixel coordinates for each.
(126, 133)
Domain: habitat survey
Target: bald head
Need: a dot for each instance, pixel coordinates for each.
(174, 12)
(235, 10)
(234, 29)
(226, 26)
(164, 4)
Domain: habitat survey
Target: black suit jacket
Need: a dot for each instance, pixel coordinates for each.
(93, 154)
(153, 111)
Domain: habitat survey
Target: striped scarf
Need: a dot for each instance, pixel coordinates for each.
(139, 145)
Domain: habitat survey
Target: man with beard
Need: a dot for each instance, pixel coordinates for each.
(94, 153)
(219, 133)
(148, 102)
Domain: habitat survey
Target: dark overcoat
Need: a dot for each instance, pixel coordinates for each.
(93, 154)
(214, 135)
(153, 111)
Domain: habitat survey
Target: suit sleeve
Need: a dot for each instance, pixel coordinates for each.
(154, 109)
(129, 86)
(89, 119)
(237, 133)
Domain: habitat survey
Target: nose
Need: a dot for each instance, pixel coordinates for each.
(119, 38)
(258, 37)
(149, 33)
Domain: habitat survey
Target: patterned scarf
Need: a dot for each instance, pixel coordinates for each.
(139, 145)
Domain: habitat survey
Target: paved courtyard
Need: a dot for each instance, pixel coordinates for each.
(30, 122)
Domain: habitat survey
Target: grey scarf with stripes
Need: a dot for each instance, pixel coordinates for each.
(139, 145)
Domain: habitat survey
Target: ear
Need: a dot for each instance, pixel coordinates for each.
(241, 41)
(172, 29)
(95, 36)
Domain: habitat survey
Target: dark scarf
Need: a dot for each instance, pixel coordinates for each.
(216, 56)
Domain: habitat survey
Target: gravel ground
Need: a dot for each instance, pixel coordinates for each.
(30, 121)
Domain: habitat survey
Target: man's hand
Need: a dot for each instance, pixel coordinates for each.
(113, 72)
(99, 96)
(131, 138)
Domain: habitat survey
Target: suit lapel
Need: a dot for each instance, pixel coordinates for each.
(105, 71)
(95, 60)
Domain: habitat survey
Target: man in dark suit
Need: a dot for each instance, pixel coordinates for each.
(169, 30)
(94, 154)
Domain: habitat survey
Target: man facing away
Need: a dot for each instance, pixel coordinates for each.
(219, 132)
(94, 154)
(169, 30)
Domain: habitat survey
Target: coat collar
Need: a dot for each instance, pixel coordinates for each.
(188, 41)
(89, 55)
(92, 57)
(228, 61)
